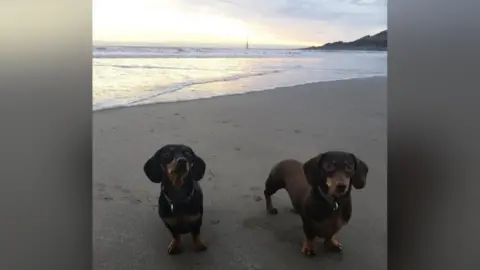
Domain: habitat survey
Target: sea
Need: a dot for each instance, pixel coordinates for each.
(125, 76)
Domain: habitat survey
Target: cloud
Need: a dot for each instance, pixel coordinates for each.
(315, 21)
(274, 22)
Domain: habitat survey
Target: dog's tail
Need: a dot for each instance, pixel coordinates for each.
(275, 181)
(273, 184)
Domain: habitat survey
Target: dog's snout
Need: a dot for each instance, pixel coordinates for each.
(182, 162)
(341, 188)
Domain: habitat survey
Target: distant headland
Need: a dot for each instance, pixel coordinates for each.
(377, 42)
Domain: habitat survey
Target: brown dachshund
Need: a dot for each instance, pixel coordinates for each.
(320, 193)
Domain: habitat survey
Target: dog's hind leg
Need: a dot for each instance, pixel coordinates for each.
(272, 185)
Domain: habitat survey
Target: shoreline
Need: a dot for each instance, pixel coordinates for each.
(280, 88)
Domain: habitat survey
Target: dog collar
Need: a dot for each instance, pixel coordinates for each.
(333, 203)
(171, 203)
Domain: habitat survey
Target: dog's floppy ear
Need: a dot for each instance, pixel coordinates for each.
(198, 168)
(153, 169)
(359, 179)
(312, 171)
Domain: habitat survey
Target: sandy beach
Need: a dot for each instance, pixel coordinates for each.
(240, 137)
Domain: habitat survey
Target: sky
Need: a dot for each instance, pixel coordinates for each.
(228, 23)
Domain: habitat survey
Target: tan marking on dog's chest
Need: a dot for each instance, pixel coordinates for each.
(330, 226)
(172, 221)
(191, 218)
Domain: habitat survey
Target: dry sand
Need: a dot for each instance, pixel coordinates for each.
(240, 138)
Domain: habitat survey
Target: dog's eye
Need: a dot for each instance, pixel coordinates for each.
(349, 168)
(188, 153)
(166, 155)
(328, 167)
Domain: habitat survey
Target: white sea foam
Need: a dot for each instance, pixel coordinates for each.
(129, 76)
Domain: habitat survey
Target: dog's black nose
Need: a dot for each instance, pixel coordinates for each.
(182, 163)
(341, 188)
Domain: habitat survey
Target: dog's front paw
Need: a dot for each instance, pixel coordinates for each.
(333, 245)
(308, 248)
(175, 247)
(199, 245)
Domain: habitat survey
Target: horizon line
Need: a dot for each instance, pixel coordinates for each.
(197, 45)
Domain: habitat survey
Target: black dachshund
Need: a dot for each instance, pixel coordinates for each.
(320, 193)
(180, 205)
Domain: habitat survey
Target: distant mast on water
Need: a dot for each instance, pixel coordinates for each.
(246, 44)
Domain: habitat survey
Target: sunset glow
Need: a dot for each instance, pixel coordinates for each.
(198, 22)
(134, 21)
